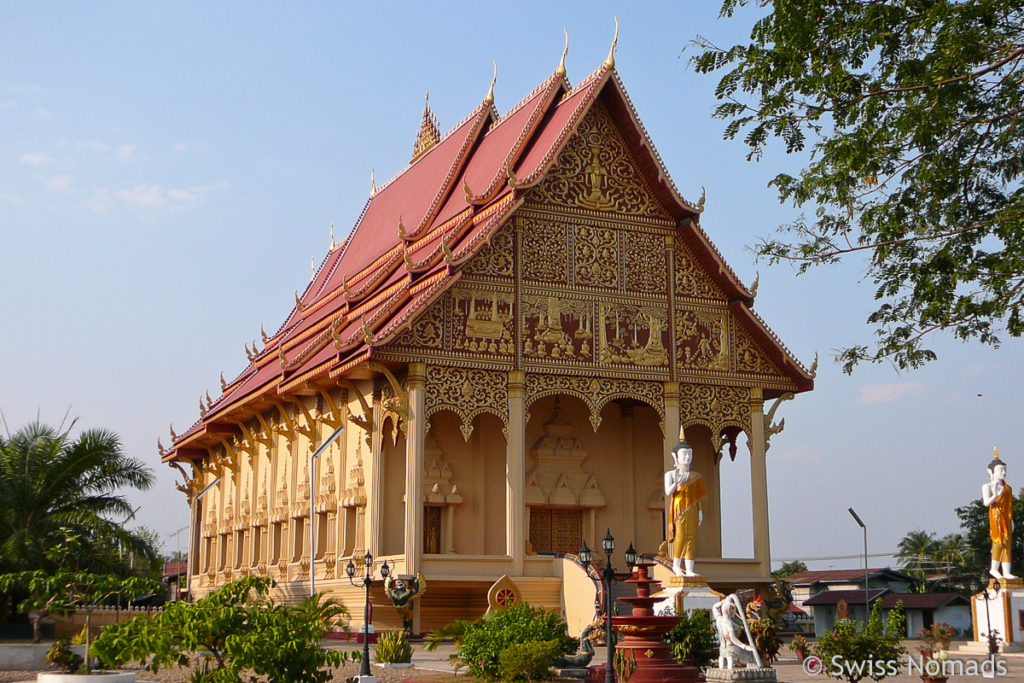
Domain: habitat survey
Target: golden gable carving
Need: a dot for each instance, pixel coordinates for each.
(596, 171)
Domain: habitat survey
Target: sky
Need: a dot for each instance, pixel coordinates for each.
(168, 170)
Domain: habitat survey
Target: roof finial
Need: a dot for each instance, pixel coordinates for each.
(610, 61)
(332, 235)
(429, 134)
(489, 97)
(560, 71)
(312, 268)
(373, 183)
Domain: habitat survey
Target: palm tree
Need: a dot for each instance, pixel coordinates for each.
(59, 493)
(916, 552)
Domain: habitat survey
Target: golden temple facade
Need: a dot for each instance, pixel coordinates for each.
(512, 336)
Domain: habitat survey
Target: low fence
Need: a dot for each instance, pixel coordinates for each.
(69, 626)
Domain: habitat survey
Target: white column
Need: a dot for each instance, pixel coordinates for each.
(759, 481)
(414, 447)
(515, 472)
(673, 419)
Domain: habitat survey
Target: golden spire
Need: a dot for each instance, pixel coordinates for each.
(373, 183)
(560, 71)
(489, 97)
(610, 60)
(332, 236)
(430, 132)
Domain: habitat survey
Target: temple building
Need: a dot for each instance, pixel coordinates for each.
(513, 335)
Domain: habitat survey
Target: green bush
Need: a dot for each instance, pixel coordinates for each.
(61, 656)
(393, 648)
(530, 661)
(851, 643)
(693, 640)
(481, 643)
(765, 639)
(240, 630)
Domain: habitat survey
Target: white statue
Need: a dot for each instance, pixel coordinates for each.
(726, 613)
(998, 496)
(687, 490)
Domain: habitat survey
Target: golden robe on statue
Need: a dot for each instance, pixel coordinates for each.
(1000, 523)
(683, 516)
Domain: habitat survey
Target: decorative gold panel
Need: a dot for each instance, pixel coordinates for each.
(545, 251)
(702, 338)
(595, 256)
(595, 392)
(467, 393)
(496, 259)
(749, 357)
(427, 332)
(482, 320)
(691, 280)
(632, 335)
(716, 407)
(596, 171)
(558, 328)
(646, 266)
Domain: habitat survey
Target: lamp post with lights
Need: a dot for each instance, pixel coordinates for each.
(607, 578)
(367, 581)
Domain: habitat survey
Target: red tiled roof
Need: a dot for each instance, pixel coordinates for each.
(841, 576)
(922, 600)
(851, 597)
(417, 231)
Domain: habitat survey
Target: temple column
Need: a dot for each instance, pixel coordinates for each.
(515, 472)
(414, 453)
(670, 437)
(627, 490)
(759, 481)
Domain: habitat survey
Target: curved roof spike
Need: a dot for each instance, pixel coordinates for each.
(449, 257)
(700, 202)
(373, 183)
(405, 256)
(263, 334)
(345, 288)
(223, 383)
(298, 302)
(312, 267)
(282, 359)
(332, 235)
(489, 97)
(367, 331)
(467, 190)
(565, 51)
(610, 60)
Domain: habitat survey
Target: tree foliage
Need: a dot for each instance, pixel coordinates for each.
(241, 632)
(912, 113)
(789, 568)
(852, 650)
(56, 489)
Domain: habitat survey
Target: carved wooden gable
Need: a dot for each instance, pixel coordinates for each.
(596, 171)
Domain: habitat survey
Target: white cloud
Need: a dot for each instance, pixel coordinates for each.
(11, 199)
(94, 146)
(100, 202)
(144, 196)
(26, 89)
(157, 197)
(35, 158)
(124, 152)
(59, 182)
(888, 392)
(798, 453)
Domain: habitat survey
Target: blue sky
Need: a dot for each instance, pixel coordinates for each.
(167, 170)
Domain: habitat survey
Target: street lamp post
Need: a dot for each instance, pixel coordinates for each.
(993, 641)
(867, 609)
(367, 581)
(312, 517)
(607, 577)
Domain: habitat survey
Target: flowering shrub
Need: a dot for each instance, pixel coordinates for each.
(800, 646)
(481, 643)
(851, 650)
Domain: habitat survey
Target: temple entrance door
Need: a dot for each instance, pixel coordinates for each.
(431, 529)
(556, 530)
